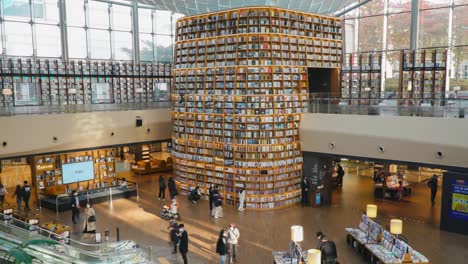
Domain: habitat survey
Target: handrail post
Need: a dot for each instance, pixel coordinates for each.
(138, 193)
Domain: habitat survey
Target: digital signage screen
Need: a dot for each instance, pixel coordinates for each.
(459, 199)
(76, 172)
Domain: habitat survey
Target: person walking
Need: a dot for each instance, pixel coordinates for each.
(217, 205)
(233, 240)
(172, 188)
(241, 200)
(432, 183)
(221, 246)
(75, 204)
(340, 176)
(162, 188)
(183, 244)
(305, 192)
(26, 195)
(173, 231)
(19, 196)
(210, 196)
(328, 249)
(89, 226)
(3, 192)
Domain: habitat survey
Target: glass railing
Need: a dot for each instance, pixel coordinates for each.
(79, 108)
(55, 248)
(390, 106)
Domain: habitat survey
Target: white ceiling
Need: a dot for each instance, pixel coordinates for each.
(194, 7)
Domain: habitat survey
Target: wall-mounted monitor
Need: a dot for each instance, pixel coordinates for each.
(77, 172)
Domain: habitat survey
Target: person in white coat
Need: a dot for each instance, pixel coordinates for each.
(233, 240)
(241, 200)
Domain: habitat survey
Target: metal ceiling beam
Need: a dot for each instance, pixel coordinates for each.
(350, 8)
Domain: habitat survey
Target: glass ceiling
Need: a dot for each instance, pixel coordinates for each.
(194, 7)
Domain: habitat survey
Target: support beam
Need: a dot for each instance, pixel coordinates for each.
(136, 33)
(350, 8)
(63, 29)
(414, 24)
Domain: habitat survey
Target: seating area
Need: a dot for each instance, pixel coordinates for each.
(152, 166)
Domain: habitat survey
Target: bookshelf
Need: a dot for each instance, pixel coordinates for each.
(422, 76)
(361, 78)
(240, 86)
(57, 82)
(47, 170)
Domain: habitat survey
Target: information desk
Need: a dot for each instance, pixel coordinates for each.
(280, 257)
(62, 202)
(377, 245)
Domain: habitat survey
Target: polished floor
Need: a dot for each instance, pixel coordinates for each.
(264, 232)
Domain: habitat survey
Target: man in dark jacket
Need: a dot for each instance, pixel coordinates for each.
(75, 204)
(432, 183)
(305, 192)
(328, 249)
(340, 176)
(183, 244)
(162, 188)
(26, 195)
(174, 231)
(172, 188)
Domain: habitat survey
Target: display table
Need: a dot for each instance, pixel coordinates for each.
(280, 257)
(381, 254)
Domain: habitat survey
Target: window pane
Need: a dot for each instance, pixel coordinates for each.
(145, 25)
(18, 10)
(459, 68)
(351, 14)
(349, 35)
(123, 49)
(175, 17)
(461, 2)
(399, 28)
(399, 6)
(460, 25)
(75, 13)
(163, 22)
(77, 42)
(163, 48)
(433, 28)
(99, 44)
(433, 3)
(374, 7)
(121, 18)
(48, 41)
(146, 47)
(46, 12)
(18, 39)
(98, 14)
(370, 33)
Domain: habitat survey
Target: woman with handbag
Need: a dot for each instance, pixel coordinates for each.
(89, 228)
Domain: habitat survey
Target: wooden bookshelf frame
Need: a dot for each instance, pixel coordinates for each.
(240, 86)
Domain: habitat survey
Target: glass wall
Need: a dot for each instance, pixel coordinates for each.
(95, 30)
(385, 26)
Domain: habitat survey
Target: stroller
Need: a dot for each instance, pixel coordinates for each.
(169, 212)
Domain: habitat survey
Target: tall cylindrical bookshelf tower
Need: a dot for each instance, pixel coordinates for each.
(240, 86)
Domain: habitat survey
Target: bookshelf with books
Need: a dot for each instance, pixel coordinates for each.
(57, 82)
(240, 86)
(361, 79)
(422, 76)
(48, 176)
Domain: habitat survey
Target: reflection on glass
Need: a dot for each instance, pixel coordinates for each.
(460, 25)
(99, 44)
(18, 10)
(398, 33)
(122, 45)
(121, 18)
(349, 35)
(48, 41)
(26, 93)
(395, 6)
(163, 48)
(392, 65)
(145, 24)
(77, 43)
(98, 14)
(75, 12)
(374, 7)
(459, 70)
(146, 47)
(370, 33)
(433, 28)
(19, 38)
(433, 3)
(163, 22)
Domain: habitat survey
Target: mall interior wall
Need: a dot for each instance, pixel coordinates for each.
(32, 134)
(399, 138)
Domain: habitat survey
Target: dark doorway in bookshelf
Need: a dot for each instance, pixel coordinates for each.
(323, 80)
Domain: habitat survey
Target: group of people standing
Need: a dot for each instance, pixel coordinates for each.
(179, 237)
(227, 244)
(22, 193)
